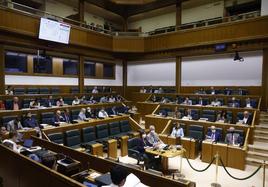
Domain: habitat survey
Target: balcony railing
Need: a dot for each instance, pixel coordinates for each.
(8, 4)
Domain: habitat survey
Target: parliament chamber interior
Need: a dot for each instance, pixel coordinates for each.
(133, 93)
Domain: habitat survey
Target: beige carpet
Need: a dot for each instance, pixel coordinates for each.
(205, 179)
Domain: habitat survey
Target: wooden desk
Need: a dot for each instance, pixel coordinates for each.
(112, 148)
(124, 145)
(236, 157)
(97, 149)
(165, 155)
(231, 156)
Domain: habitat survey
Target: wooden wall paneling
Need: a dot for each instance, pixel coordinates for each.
(99, 70)
(128, 44)
(264, 88)
(30, 64)
(2, 70)
(57, 66)
(81, 74)
(178, 13)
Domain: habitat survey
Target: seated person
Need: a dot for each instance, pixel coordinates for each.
(233, 138)
(30, 121)
(102, 113)
(9, 90)
(177, 131)
(153, 98)
(60, 102)
(3, 132)
(82, 115)
(114, 111)
(160, 90)
(66, 116)
(201, 91)
(142, 90)
(222, 117)
(92, 100)
(164, 100)
(119, 98)
(103, 99)
(156, 91)
(177, 113)
(188, 114)
(212, 90)
(14, 125)
(213, 135)
(248, 103)
(83, 100)
(187, 101)
(89, 113)
(35, 104)
(234, 103)
(133, 109)
(14, 105)
(227, 91)
(153, 137)
(58, 117)
(120, 178)
(11, 142)
(111, 99)
(150, 90)
(2, 105)
(216, 102)
(247, 119)
(76, 101)
(50, 101)
(95, 90)
(200, 101)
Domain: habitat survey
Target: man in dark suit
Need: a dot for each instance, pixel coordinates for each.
(234, 103)
(213, 135)
(58, 117)
(50, 101)
(66, 116)
(233, 138)
(15, 104)
(247, 120)
(30, 121)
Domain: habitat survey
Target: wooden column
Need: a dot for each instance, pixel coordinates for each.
(124, 77)
(178, 14)
(2, 70)
(265, 80)
(81, 74)
(178, 74)
(81, 10)
(125, 25)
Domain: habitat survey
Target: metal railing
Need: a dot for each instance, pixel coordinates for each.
(8, 4)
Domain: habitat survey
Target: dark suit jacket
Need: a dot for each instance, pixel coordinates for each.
(249, 121)
(49, 101)
(30, 122)
(217, 136)
(9, 105)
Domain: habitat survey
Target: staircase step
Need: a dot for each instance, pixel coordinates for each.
(261, 132)
(259, 148)
(253, 161)
(257, 155)
(261, 138)
(262, 127)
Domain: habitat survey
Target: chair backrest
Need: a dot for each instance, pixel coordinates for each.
(196, 132)
(47, 118)
(56, 137)
(102, 131)
(210, 114)
(114, 128)
(195, 114)
(26, 103)
(74, 90)
(55, 90)
(125, 126)
(33, 91)
(44, 90)
(88, 134)
(6, 119)
(19, 91)
(72, 138)
(133, 143)
(68, 100)
(240, 115)
(75, 114)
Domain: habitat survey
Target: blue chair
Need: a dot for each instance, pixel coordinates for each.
(73, 138)
(209, 114)
(47, 118)
(55, 90)
(19, 91)
(74, 90)
(44, 90)
(33, 91)
(56, 137)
